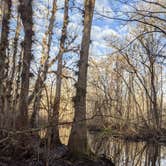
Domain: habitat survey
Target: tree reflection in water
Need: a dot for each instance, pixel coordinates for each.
(125, 153)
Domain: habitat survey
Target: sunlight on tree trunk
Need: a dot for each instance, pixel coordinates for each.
(78, 137)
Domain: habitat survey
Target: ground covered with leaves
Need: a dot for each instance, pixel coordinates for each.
(13, 152)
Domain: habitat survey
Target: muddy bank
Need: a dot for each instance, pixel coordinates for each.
(13, 155)
(59, 162)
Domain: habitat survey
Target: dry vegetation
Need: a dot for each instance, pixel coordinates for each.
(47, 78)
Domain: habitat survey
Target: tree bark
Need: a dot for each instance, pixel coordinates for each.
(56, 106)
(9, 104)
(26, 13)
(78, 136)
(3, 49)
(42, 74)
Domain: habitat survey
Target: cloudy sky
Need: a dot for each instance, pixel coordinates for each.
(102, 29)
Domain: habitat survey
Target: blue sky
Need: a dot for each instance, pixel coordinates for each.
(101, 29)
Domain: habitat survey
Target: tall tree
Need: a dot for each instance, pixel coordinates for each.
(56, 105)
(44, 65)
(26, 13)
(151, 48)
(78, 137)
(3, 48)
(10, 80)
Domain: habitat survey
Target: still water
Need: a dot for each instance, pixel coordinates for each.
(125, 153)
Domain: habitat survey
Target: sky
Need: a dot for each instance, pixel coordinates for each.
(101, 29)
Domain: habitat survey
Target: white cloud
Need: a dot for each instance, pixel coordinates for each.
(77, 18)
(60, 3)
(59, 16)
(101, 33)
(104, 7)
(98, 35)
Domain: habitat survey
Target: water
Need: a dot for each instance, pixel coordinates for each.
(125, 153)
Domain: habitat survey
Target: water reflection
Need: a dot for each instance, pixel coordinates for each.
(128, 153)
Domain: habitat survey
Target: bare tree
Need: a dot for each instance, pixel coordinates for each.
(56, 104)
(3, 49)
(44, 66)
(26, 13)
(78, 137)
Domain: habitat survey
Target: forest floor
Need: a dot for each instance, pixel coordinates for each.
(59, 162)
(12, 153)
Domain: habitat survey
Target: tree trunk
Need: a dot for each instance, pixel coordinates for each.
(3, 50)
(56, 106)
(154, 108)
(26, 13)
(42, 74)
(15, 70)
(10, 82)
(78, 136)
